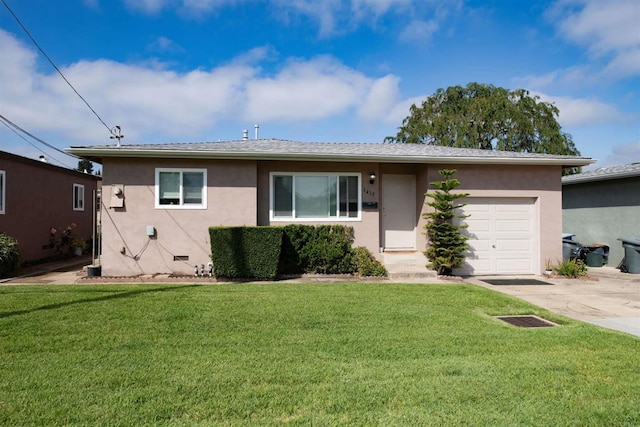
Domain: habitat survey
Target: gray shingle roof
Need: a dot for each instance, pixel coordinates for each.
(614, 172)
(283, 149)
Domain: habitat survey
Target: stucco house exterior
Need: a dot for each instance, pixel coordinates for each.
(36, 197)
(603, 205)
(160, 199)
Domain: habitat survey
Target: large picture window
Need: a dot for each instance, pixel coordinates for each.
(181, 188)
(3, 189)
(315, 196)
(78, 197)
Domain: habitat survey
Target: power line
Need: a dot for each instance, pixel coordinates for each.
(30, 143)
(8, 123)
(54, 65)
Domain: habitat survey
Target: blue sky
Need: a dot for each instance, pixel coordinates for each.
(343, 71)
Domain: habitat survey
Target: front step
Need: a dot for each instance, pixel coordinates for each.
(407, 266)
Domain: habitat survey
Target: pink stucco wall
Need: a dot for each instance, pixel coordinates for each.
(238, 194)
(231, 200)
(39, 196)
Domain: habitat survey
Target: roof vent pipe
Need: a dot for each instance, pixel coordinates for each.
(245, 135)
(43, 159)
(257, 127)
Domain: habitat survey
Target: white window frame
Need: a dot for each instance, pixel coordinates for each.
(293, 218)
(78, 202)
(3, 191)
(181, 205)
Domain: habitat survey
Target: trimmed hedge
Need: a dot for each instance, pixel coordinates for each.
(9, 254)
(264, 252)
(246, 252)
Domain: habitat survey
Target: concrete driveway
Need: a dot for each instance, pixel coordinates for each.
(610, 298)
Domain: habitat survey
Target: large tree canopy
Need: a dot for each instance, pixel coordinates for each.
(487, 117)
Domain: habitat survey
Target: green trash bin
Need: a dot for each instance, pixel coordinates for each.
(631, 261)
(596, 255)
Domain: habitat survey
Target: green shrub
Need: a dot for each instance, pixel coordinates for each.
(366, 264)
(246, 252)
(571, 268)
(295, 237)
(9, 254)
(329, 250)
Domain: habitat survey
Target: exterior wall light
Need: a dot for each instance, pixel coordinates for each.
(372, 178)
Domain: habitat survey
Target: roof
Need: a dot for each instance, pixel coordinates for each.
(278, 149)
(601, 174)
(45, 165)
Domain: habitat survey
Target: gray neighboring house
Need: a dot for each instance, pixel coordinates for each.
(602, 205)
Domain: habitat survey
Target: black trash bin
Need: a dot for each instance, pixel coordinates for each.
(631, 261)
(570, 249)
(596, 255)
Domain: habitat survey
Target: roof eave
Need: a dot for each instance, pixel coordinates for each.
(97, 154)
(608, 177)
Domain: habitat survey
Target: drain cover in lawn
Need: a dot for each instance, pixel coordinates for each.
(527, 321)
(515, 282)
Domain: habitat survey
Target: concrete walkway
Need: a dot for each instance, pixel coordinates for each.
(610, 299)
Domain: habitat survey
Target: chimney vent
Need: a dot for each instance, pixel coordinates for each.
(257, 127)
(245, 135)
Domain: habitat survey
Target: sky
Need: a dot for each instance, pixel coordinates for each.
(307, 70)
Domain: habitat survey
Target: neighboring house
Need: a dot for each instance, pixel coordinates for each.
(164, 197)
(36, 196)
(602, 205)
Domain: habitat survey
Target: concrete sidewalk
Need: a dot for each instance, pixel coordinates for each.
(610, 299)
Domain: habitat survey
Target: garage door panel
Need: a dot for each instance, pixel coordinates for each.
(502, 236)
(523, 245)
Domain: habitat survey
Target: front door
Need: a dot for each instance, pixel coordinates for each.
(399, 212)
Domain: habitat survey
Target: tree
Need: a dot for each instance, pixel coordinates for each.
(487, 117)
(85, 165)
(446, 246)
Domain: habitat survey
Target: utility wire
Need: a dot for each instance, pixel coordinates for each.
(30, 143)
(13, 126)
(54, 65)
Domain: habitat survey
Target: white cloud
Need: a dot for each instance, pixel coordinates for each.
(606, 28)
(152, 102)
(582, 111)
(164, 44)
(419, 30)
(622, 155)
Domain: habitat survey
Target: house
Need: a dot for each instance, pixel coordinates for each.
(37, 197)
(163, 197)
(603, 205)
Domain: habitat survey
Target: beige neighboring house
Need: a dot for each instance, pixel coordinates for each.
(160, 199)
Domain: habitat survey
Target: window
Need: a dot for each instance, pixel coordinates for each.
(312, 196)
(181, 188)
(78, 197)
(3, 189)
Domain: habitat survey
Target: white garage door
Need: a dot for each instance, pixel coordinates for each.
(502, 236)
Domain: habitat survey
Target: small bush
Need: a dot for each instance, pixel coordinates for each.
(366, 264)
(246, 252)
(9, 254)
(329, 251)
(571, 268)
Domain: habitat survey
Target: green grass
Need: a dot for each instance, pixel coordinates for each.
(321, 354)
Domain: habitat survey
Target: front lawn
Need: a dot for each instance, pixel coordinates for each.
(322, 354)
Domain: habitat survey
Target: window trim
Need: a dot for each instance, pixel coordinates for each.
(188, 206)
(337, 218)
(81, 197)
(3, 190)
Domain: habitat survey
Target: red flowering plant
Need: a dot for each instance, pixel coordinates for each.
(60, 238)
